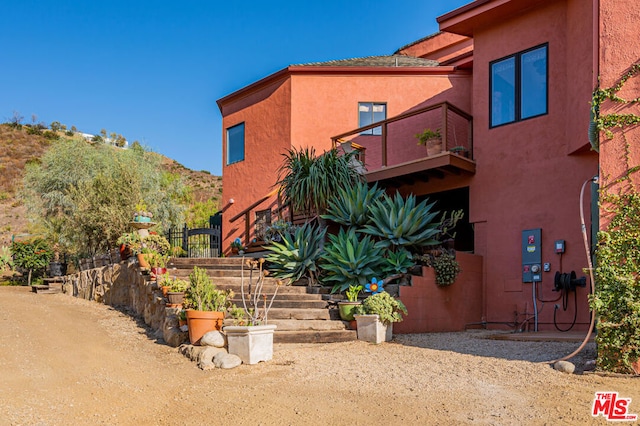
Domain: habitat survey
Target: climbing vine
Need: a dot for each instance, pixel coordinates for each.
(617, 274)
(607, 122)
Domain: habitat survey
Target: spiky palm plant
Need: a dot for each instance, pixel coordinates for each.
(350, 206)
(398, 222)
(308, 181)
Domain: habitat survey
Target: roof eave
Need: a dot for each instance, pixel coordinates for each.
(319, 69)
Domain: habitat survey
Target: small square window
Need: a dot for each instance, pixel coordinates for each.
(369, 113)
(235, 144)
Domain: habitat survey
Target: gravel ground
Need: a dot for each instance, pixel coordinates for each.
(68, 361)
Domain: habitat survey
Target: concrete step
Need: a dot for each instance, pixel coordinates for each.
(314, 336)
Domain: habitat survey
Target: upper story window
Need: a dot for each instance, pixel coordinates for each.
(518, 85)
(235, 143)
(369, 113)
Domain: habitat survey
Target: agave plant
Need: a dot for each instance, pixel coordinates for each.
(298, 253)
(351, 259)
(399, 222)
(398, 262)
(350, 206)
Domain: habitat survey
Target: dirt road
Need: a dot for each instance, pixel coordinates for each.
(67, 361)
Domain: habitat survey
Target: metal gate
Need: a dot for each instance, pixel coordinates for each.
(197, 242)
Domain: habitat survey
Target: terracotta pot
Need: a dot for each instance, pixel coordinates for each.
(165, 290)
(201, 322)
(175, 298)
(156, 272)
(434, 146)
(142, 261)
(125, 252)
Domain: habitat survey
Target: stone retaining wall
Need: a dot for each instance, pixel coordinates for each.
(124, 285)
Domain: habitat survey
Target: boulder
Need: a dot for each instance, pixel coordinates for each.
(205, 360)
(226, 360)
(565, 367)
(213, 338)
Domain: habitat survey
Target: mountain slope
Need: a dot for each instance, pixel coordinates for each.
(18, 147)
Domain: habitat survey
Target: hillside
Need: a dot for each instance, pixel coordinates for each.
(17, 147)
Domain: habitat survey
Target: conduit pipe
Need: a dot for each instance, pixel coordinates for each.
(590, 265)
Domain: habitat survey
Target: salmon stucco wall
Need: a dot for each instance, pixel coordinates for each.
(529, 173)
(266, 114)
(327, 105)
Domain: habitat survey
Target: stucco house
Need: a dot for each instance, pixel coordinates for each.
(508, 84)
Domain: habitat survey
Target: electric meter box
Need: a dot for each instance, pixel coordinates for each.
(531, 255)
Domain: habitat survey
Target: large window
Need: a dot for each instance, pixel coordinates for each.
(235, 144)
(519, 86)
(369, 113)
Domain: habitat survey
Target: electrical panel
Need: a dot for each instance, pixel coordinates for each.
(531, 255)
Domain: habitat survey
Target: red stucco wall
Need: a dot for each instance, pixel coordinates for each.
(619, 50)
(525, 176)
(434, 309)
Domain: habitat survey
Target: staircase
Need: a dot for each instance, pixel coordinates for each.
(301, 317)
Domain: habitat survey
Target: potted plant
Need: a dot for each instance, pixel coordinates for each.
(158, 263)
(347, 307)
(175, 293)
(125, 243)
(206, 305)
(432, 139)
(251, 337)
(376, 315)
(237, 247)
(460, 150)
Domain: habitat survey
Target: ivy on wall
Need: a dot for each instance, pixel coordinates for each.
(617, 274)
(608, 121)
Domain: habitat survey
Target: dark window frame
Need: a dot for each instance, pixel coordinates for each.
(228, 159)
(518, 86)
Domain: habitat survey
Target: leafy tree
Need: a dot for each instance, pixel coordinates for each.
(200, 212)
(55, 126)
(84, 196)
(31, 255)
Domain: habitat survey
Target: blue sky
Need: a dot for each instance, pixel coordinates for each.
(153, 70)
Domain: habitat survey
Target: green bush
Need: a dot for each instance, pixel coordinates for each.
(617, 288)
(33, 255)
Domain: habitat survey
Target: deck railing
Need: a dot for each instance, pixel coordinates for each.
(393, 141)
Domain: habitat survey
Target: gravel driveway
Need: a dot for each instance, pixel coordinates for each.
(69, 361)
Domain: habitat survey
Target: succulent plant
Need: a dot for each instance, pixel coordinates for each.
(351, 259)
(384, 305)
(351, 205)
(401, 223)
(298, 253)
(398, 262)
(446, 268)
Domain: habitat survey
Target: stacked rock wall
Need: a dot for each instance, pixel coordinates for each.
(123, 285)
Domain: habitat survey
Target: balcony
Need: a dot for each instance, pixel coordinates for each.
(392, 155)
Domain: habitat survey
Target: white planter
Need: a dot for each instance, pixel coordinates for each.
(251, 343)
(371, 329)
